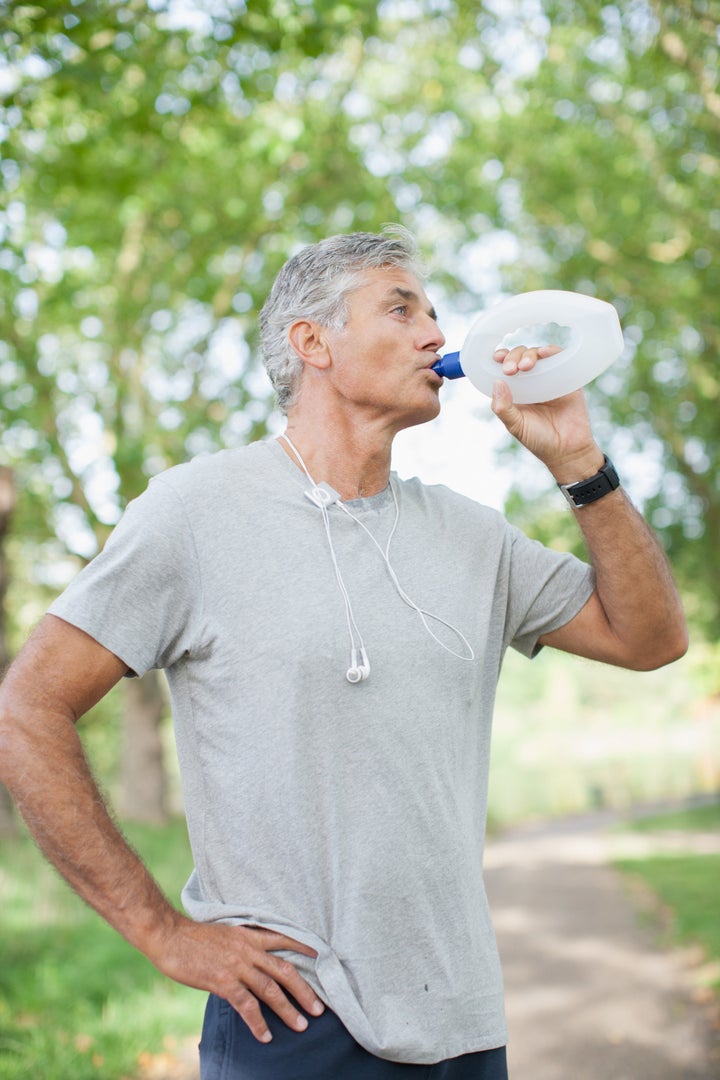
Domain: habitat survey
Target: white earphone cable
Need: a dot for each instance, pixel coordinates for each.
(424, 615)
(357, 645)
(353, 630)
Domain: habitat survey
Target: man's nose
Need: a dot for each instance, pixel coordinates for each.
(432, 335)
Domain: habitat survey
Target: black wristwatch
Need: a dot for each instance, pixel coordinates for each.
(587, 491)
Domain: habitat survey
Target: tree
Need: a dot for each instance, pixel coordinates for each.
(623, 203)
(157, 178)
(577, 146)
(161, 161)
(157, 175)
(7, 505)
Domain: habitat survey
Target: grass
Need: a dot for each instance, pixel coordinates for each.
(686, 884)
(75, 999)
(699, 818)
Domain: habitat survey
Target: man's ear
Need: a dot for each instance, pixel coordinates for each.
(309, 342)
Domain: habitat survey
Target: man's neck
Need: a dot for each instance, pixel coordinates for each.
(354, 462)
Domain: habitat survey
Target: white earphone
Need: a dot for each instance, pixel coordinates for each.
(358, 672)
(324, 496)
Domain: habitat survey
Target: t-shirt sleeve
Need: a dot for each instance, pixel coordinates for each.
(141, 597)
(547, 589)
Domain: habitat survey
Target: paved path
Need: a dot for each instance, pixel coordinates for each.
(591, 994)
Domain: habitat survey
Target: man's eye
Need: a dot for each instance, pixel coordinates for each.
(402, 308)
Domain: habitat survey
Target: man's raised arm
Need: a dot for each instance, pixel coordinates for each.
(634, 618)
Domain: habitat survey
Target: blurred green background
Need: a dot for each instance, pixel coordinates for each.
(158, 163)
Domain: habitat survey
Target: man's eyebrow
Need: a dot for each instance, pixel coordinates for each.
(413, 298)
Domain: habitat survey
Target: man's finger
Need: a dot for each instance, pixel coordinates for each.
(272, 941)
(267, 977)
(287, 976)
(283, 971)
(504, 409)
(523, 357)
(248, 1008)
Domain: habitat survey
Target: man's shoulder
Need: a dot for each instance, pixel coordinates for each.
(211, 472)
(441, 498)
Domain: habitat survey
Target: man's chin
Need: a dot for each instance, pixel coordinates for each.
(422, 415)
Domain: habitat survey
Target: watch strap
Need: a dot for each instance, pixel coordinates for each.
(588, 491)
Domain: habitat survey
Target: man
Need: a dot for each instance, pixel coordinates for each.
(332, 638)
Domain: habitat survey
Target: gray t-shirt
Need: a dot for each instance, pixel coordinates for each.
(351, 817)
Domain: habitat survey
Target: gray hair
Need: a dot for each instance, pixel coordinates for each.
(315, 284)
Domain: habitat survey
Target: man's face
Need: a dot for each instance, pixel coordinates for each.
(382, 358)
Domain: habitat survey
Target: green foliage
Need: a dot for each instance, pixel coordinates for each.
(706, 670)
(75, 999)
(578, 146)
(545, 517)
(157, 177)
(621, 202)
(161, 160)
(570, 736)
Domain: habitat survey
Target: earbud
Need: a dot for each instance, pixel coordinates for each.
(358, 672)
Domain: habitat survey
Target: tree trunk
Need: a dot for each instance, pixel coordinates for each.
(142, 771)
(8, 820)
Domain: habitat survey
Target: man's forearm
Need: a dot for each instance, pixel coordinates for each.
(44, 767)
(635, 617)
(633, 581)
(58, 798)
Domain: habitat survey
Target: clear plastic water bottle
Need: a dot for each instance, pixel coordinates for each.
(595, 343)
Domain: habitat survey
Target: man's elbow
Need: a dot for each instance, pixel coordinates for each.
(662, 649)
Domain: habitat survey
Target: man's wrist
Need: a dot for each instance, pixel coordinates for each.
(594, 487)
(585, 462)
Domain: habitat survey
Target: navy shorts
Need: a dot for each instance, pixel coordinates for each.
(326, 1051)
